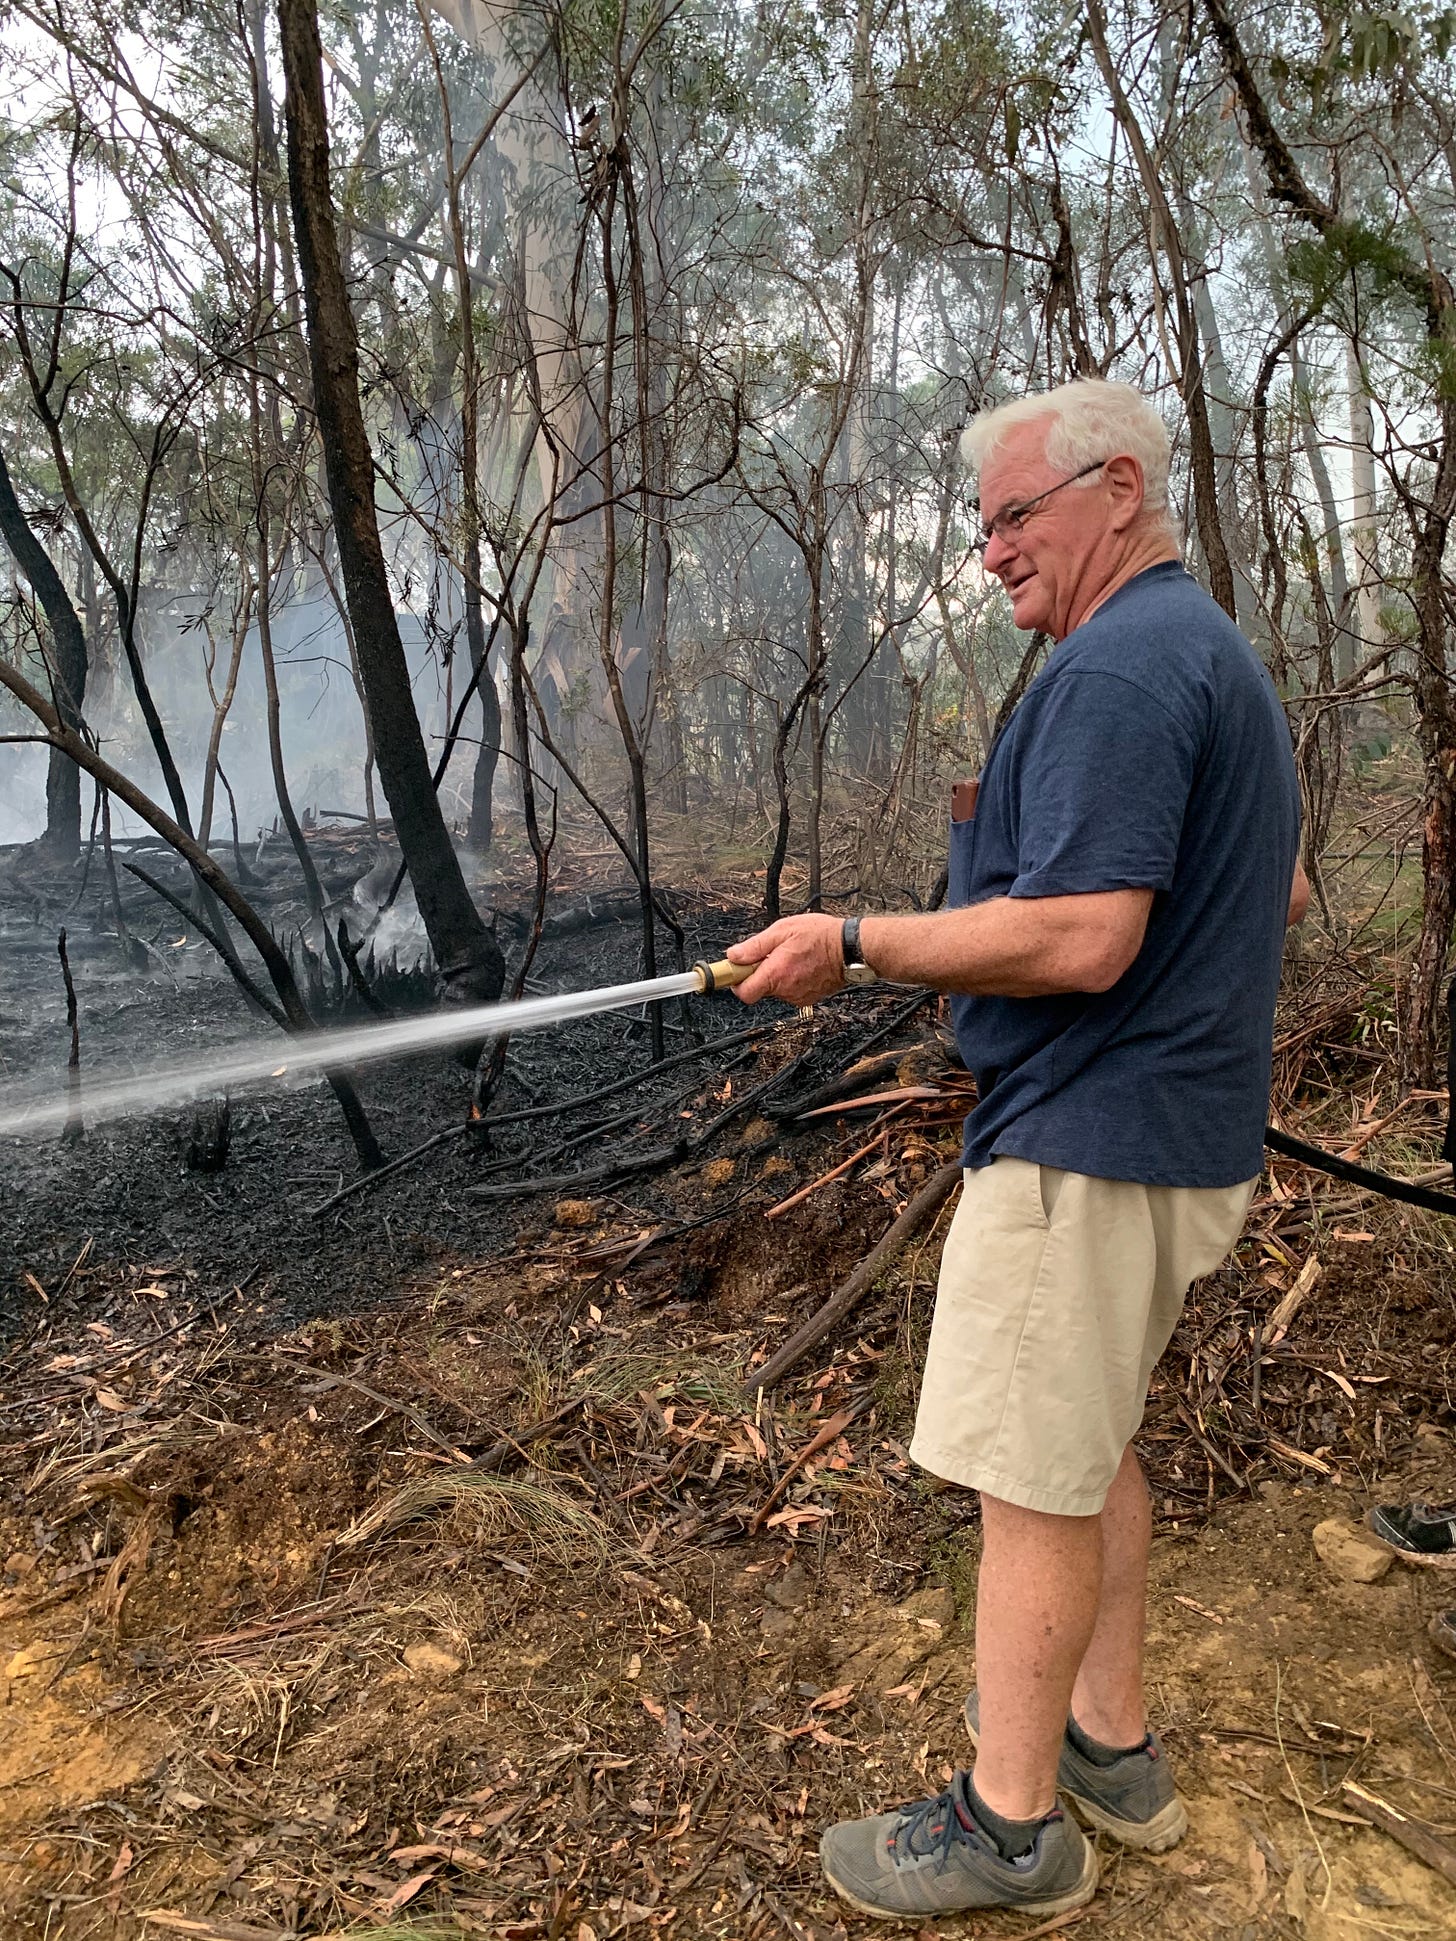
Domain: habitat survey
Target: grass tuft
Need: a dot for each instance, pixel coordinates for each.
(494, 1507)
(622, 1377)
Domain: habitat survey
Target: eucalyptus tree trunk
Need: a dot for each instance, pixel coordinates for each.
(1364, 543)
(1430, 513)
(468, 957)
(479, 830)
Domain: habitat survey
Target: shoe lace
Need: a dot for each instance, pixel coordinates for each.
(931, 1828)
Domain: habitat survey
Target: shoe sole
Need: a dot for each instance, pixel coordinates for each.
(1053, 1905)
(1163, 1831)
(1422, 1559)
(1157, 1835)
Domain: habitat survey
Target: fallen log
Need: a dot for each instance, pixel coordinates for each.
(920, 1211)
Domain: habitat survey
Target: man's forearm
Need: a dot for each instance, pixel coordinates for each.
(1012, 946)
(1008, 947)
(1298, 898)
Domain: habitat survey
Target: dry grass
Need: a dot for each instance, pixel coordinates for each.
(491, 1508)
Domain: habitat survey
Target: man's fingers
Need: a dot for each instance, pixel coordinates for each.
(764, 981)
(796, 959)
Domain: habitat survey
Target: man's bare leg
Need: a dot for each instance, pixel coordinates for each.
(1036, 1610)
(1107, 1699)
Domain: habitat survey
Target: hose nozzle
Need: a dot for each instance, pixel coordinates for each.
(721, 975)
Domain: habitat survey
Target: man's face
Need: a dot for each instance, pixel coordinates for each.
(1047, 565)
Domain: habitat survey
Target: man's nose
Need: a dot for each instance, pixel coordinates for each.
(999, 553)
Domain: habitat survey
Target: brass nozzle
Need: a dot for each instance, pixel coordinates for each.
(720, 976)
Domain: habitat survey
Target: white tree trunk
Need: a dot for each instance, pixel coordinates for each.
(1364, 536)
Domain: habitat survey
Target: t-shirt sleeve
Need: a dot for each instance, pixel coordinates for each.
(1103, 784)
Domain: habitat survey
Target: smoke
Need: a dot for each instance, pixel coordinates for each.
(399, 931)
(22, 793)
(324, 747)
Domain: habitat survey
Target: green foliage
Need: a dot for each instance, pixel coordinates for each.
(1366, 46)
(1377, 254)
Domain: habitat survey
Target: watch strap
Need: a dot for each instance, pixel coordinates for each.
(849, 942)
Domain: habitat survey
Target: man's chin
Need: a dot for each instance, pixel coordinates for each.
(1026, 609)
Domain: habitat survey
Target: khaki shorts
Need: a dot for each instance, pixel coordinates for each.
(1057, 1295)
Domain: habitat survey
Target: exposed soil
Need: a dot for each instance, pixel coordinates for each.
(275, 1660)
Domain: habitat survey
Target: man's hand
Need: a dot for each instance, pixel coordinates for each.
(1298, 898)
(799, 959)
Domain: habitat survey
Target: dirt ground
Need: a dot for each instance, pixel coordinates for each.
(470, 1595)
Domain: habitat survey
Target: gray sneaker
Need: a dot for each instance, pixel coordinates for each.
(933, 1858)
(1134, 1800)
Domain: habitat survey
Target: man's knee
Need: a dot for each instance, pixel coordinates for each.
(1000, 1518)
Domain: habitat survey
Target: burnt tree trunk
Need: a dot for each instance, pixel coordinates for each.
(467, 954)
(66, 665)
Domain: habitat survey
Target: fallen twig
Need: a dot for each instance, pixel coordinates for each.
(382, 1173)
(1415, 1837)
(835, 1172)
(1239, 1482)
(830, 1432)
(683, 1147)
(501, 1451)
(896, 1095)
(212, 1930)
(835, 1088)
(326, 1379)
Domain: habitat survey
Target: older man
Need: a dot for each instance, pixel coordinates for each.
(1119, 897)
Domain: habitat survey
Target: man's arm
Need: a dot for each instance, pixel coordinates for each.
(1298, 897)
(1033, 946)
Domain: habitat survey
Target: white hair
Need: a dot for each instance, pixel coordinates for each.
(1087, 420)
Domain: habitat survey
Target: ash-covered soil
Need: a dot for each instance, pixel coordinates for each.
(124, 1191)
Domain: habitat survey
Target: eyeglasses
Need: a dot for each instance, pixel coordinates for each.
(1008, 522)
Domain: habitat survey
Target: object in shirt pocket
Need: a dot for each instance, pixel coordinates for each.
(963, 799)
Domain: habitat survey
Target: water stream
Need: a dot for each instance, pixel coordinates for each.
(37, 1108)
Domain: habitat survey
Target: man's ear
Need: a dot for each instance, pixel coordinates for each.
(1124, 476)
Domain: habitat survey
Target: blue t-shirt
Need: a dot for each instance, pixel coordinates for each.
(1151, 752)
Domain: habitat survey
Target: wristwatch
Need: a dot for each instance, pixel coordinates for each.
(856, 970)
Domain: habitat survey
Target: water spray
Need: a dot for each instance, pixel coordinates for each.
(27, 1110)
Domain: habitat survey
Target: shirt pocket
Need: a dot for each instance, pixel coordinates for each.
(959, 867)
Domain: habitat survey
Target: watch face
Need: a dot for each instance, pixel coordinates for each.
(860, 974)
